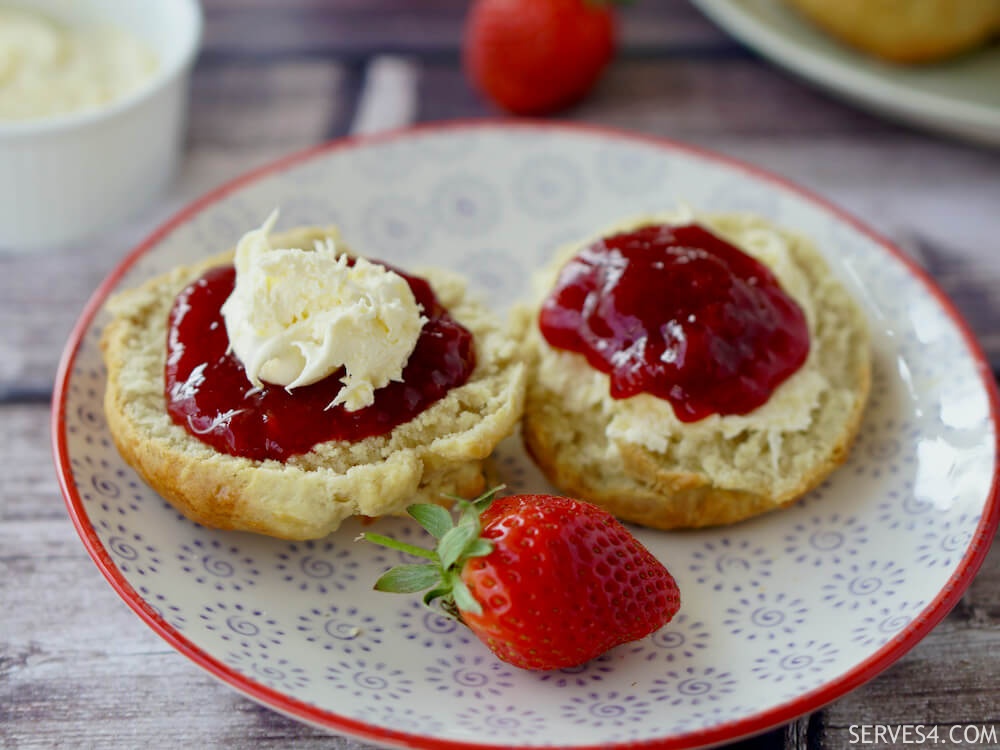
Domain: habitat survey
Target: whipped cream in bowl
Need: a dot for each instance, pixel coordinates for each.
(48, 68)
(92, 93)
(297, 316)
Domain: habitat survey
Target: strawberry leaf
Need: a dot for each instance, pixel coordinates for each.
(457, 542)
(479, 548)
(470, 513)
(408, 579)
(390, 543)
(464, 599)
(434, 518)
(442, 592)
(482, 502)
(453, 544)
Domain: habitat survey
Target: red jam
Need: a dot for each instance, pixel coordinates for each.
(208, 393)
(681, 314)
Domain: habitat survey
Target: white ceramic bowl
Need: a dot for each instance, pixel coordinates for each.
(64, 178)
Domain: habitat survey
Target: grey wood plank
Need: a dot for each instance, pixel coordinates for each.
(29, 491)
(92, 676)
(948, 681)
(355, 28)
(797, 733)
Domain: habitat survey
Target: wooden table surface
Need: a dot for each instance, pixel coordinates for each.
(79, 670)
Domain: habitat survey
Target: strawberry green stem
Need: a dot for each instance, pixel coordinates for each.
(457, 542)
(399, 546)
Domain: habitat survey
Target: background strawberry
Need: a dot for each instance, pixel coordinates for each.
(545, 582)
(534, 57)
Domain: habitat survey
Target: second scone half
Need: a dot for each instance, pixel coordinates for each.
(441, 450)
(637, 459)
(906, 31)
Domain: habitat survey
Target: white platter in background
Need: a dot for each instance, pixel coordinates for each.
(958, 97)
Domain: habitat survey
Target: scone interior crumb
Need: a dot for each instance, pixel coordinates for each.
(636, 458)
(441, 451)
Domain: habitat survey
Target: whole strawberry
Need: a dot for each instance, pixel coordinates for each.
(535, 57)
(545, 582)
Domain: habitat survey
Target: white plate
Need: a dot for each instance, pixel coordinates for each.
(960, 97)
(780, 615)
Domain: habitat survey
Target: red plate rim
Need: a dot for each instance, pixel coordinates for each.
(731, 731)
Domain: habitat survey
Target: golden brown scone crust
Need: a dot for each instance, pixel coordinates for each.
(440, 451)
(702, 479)
(906, 31)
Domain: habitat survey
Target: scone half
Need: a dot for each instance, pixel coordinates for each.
(635, 458)
(906, 31)
(440, 451)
